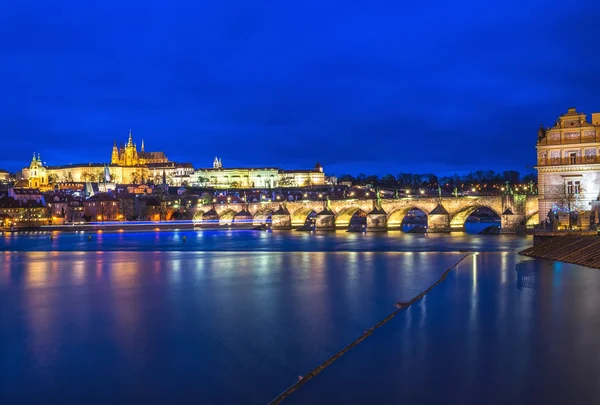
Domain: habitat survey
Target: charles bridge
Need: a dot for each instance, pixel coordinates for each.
(444, 214)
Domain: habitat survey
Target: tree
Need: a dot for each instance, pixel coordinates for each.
(127, 208)
(388, 180)
(52, 178)
(203, 181)
(568, 198)
(287, 182)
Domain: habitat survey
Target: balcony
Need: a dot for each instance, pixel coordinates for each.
(570, 141)
(572, 160)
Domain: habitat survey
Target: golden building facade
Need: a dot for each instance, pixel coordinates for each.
(568, 166)
(128, 155)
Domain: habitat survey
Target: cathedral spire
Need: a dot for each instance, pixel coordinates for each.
(142, 145)
(130, 141)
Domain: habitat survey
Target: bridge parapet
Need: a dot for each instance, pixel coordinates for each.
(444, 214)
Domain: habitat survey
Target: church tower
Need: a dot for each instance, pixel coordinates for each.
(115, 154)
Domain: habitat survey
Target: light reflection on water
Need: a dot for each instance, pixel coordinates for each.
(228, 240)
(518, 343)
(163, 318)
(166, 326)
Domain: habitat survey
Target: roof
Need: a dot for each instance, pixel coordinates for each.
(58, 198)
(210, 213)
(377, 210)
(281, 211)
(302, 171)
(26, 191)
(9, 202)
(102, 197)
(223, 169)
(78, 165)
(243, 213)
(3, 171)
(22, 183)
(326, 211)
(165, 165)
(439, 210)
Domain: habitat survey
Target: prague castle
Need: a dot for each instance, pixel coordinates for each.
(128, 155)
(130, 166)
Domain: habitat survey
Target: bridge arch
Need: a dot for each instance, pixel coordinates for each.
(533, 219)
(457, 221)
(301, 215)
(226, 217)
(262, 216)
(395, 218)
(344, 217)
(198, 215)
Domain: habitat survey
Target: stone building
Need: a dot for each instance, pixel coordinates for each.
(128, 155)
(102, 207)
(568, 166)
(264, 177)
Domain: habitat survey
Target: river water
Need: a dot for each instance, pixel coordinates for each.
(235, 316)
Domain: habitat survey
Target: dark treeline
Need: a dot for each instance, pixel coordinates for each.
(479, 178)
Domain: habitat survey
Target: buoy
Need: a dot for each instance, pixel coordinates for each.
(90, 238)
(183, 238)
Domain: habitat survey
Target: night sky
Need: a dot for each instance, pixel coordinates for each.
(373, 87)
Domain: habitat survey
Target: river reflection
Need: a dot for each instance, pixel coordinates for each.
(145, 323)
(503, 343)
(238, 327)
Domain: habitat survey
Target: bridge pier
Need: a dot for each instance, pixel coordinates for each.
(325, 220)
(281, 219)
(377, 220)
(438, 220)
(512, 223)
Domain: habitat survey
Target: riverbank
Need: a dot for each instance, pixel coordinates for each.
(577, 249)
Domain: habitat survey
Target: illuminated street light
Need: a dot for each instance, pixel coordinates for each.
(422, 191)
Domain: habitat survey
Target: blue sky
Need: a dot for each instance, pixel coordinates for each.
(374, 87)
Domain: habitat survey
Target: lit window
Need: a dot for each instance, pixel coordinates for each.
(573, 187)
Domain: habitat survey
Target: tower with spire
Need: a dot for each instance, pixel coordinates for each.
(127, 155)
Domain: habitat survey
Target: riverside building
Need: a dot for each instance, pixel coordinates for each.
(568, 167)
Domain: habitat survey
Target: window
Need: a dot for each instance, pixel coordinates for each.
(573, 187)
(572, 157)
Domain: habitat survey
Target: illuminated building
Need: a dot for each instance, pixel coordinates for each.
(264, 177)
(568, 166)
(4, 175)
(128, 155)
